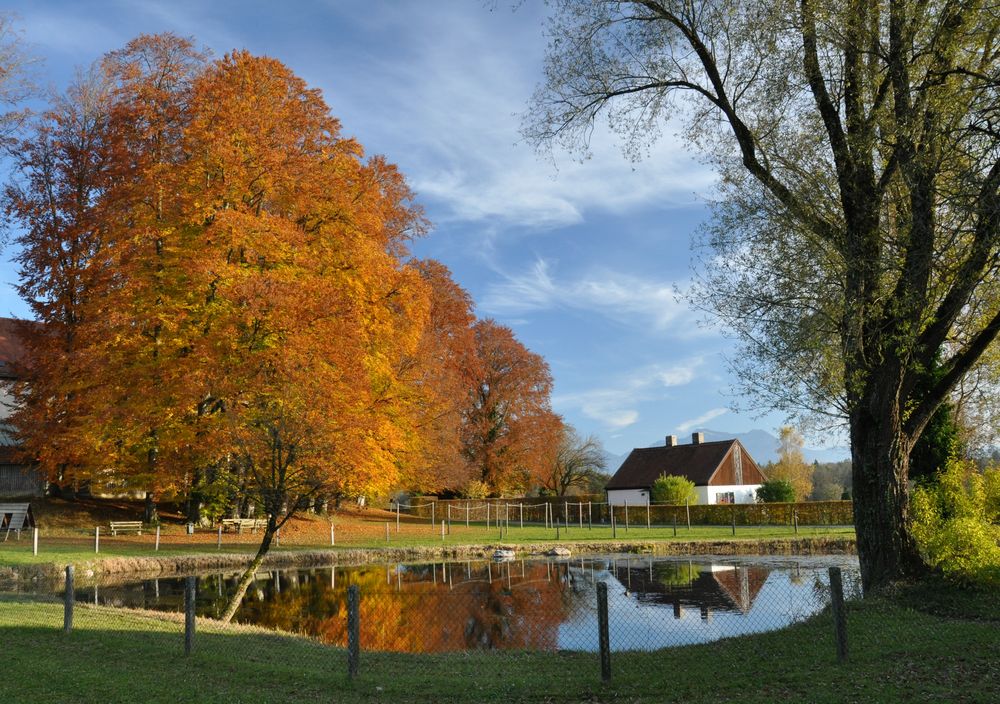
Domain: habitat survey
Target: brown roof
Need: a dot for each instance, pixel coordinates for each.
(11, 349)
(697, 461)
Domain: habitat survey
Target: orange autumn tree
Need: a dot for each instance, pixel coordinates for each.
(509, 431)
(60, 171)
(305, 303)
(439, 374)
(139, 321)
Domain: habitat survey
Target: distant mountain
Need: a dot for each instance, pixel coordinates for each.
(763, 447)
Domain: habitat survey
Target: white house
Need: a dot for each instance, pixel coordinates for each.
(723, 471)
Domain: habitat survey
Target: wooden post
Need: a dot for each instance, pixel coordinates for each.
(397, 516)
(442, 531)
(590, 515)
(433, 505)
(581, 515)
(190, 591)
(602, 630)
(387, 531)
(97, 538)
(795, 520)
(487, 515)
(353, 630)
(156, 547)
(734, 519)
(466, 514)
(34, 541)
(626, 516)
(557, 528)
(521, 506)
(611, 509)
(647, 514)
(675, 524)
(333, 535)
(449, 519)
(566, 512)
(220, 538)
(687, 509)
(839, 613)
(68, 601)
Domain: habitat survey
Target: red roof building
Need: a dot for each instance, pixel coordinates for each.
(722, 471)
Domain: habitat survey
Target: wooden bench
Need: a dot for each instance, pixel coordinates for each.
(127, 526)
(238, 524)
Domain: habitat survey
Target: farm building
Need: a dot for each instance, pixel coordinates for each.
(16, 478)
(723, 472)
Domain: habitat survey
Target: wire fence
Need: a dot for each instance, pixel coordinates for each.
(576, 620)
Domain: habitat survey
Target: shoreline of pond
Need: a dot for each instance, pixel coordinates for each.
(178, 565)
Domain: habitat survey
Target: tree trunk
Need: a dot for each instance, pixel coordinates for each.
(880, 456)
(251, 571)
(149, 509)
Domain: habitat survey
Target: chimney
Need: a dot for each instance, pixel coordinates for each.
(671, 441)
(697, 438)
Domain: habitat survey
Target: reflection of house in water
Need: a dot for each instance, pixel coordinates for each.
(707, 587)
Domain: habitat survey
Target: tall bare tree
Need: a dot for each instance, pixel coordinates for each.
(859, 235)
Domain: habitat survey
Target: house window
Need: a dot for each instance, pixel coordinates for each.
(725, 497)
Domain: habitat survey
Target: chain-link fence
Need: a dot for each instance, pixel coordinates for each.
(364, 620)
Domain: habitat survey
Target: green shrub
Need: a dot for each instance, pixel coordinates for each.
(954, 523)
(671, 489)
(775, 491)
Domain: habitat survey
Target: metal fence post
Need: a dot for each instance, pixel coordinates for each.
(602, 628)
(353, 630)
(97, 539)
(839, 613)
(68, 601)
(190, 591)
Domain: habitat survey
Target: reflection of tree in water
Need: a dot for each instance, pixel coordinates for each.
(452, 612)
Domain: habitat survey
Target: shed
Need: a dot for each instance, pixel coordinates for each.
(15, 517)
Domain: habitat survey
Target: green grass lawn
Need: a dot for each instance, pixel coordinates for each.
(64, 548)
(897, 654)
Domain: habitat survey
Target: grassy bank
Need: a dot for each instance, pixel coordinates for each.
(897, 654)
(137, 554)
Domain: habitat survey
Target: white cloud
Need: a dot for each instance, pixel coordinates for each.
(448, 110)
(613, 294)
(614, 406)
(702, 419)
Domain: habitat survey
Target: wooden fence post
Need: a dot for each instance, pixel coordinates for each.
(795, 520)
(34, 541)
(68, 601)
(687, 509)
(626, 516)
(839, 613)
(156, 547)
(397, 516)
(333, 535)
(602, 630)
(734, 519)
(190, 592)
(220, 538)
(433, 506)
(353, 630)
(97, 539)
(387, 531)
(611, 510)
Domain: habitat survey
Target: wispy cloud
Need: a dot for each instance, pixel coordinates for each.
(651, 304)
(616, 406)
(702, 419)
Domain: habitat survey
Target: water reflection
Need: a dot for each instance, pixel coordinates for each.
(520, 605)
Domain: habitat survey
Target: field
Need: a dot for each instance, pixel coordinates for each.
(66, 534)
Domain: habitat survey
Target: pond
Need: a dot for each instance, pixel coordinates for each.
(532, 604)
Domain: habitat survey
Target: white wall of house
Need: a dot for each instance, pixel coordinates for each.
(633, 497)
(742, 493)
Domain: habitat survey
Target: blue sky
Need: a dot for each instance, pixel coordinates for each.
(583, 259)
